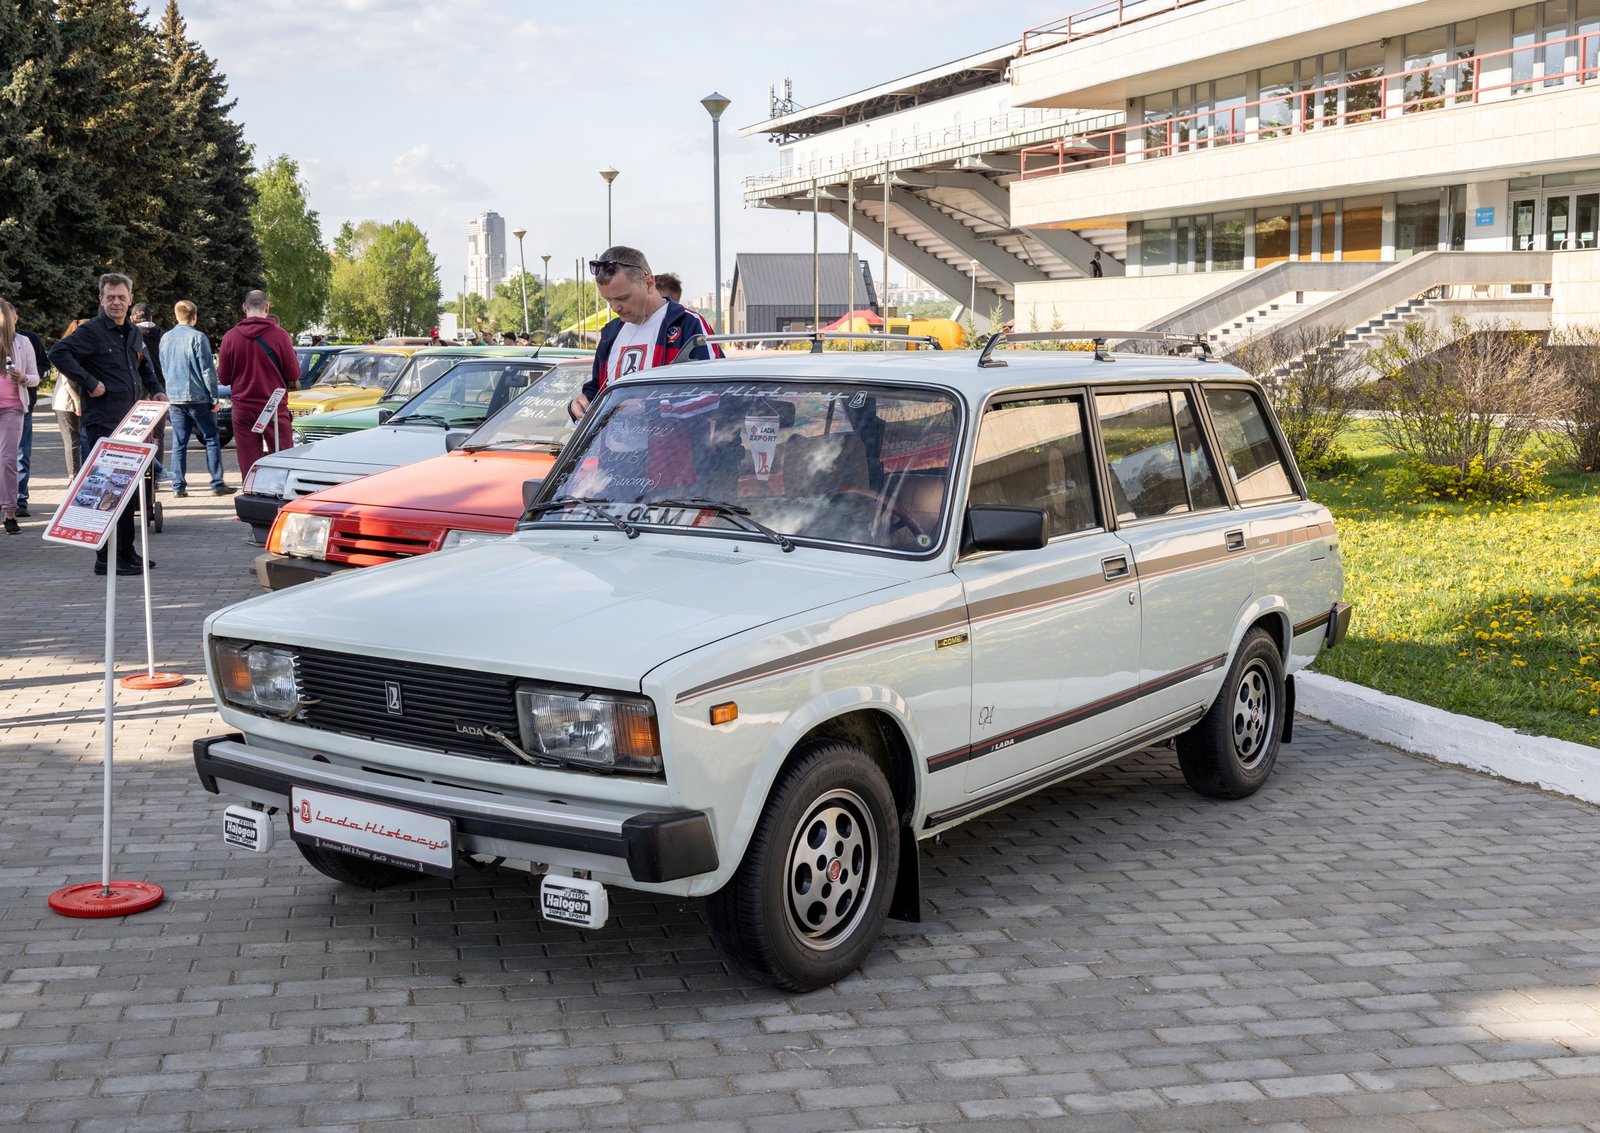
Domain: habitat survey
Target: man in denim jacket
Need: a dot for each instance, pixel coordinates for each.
(192, 389)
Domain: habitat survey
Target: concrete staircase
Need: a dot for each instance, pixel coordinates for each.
(1261, 320)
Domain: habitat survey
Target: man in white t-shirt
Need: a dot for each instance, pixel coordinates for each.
(649, 329)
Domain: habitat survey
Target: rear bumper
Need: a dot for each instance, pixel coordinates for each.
(1338, 623)
(647, 846)
(279, 572)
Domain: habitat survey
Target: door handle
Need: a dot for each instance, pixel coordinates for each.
(1235, 540)
(1115, 567)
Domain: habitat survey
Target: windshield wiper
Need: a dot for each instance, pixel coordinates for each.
(515, 442)
(737, 514)
(418, 417)
(593, 507)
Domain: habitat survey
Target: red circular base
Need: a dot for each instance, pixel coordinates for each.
(93, 900)
(152, 680)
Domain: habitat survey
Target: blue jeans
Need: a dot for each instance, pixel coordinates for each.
(194, 417)
(24, 454)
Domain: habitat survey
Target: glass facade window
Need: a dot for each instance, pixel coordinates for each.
(1416, 226)
(1227, 241)
(1272, 237)
(1363, 71)
(1363, 230)
(1426, 77)
(1555, 54)
(1276, 115)
(1155, 247)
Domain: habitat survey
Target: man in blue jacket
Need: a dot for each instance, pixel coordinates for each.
(649, 329)
(192, 388)
(106, 359)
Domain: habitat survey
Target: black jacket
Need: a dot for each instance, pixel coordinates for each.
(99, 352)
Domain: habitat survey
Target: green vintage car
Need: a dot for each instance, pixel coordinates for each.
(421, 370)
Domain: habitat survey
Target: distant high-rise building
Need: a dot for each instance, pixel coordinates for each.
(486, 253)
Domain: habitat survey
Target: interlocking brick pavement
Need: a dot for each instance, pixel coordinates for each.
(1372, 943)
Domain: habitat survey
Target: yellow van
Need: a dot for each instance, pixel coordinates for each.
(353, 380)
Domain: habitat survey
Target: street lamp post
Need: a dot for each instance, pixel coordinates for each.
(544, 316)
(610, 175)
(522, 265)
(715, 104)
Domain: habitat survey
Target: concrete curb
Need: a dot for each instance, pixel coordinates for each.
(1554, 765)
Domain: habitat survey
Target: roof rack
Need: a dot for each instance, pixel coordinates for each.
(815, 338)
(1179, 340)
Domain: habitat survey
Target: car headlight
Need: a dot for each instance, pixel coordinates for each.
(258, 677)
(267, 480)
(604, 730)
(468, 538)
(304, 536)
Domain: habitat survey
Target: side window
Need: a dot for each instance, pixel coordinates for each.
(1255, 463)
(1032, 454)
(1157, 457)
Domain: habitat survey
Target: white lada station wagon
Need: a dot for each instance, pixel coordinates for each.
(772, 621)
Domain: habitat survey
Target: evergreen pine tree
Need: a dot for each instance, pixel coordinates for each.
(30, 49)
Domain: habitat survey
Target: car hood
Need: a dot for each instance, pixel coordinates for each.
(573, 607)
(334, 395)
(459, 483)
(368, 449)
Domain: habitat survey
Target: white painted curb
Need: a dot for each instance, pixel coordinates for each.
(1555, 765)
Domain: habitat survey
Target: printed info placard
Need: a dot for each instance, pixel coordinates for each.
(142, 422)
(103, 487)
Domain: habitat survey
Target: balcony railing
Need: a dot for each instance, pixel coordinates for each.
(1437, 86)
(865, 159)
(1095, 19)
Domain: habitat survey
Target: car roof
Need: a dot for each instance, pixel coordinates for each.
(497, 352)
(955, 368)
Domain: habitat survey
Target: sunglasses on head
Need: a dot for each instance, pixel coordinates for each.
(603, 270)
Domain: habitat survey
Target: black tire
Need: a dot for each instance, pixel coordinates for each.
(351, 870)
(157, 518)
(829, 833)
(1231, 751)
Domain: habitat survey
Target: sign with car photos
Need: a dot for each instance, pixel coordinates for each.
(103, 487)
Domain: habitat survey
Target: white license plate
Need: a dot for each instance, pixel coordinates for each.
(374, 831)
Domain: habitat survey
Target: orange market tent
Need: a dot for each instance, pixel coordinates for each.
(856, 320)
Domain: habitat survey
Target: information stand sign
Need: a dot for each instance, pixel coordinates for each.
(269, 416)
(96, 497)
(143, 423)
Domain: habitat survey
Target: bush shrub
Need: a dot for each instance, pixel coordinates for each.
(1415, 480)
(1577, 350)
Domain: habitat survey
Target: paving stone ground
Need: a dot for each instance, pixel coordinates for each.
(1373, 943)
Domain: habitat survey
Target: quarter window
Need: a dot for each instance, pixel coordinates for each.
(1158, 459)
(1255, 463)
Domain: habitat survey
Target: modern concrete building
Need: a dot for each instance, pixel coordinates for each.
(1236, 163)
(486, 253)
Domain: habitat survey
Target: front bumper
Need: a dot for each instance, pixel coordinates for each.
(279, 572)
(258, 512)
(647, 846)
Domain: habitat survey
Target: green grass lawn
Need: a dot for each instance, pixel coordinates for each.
(1489, 610)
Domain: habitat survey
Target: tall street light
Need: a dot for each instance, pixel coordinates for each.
(523, 265)
(715, 104)
(610, 175)
(544, 317)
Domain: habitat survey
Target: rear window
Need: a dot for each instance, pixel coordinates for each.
(1256, 465)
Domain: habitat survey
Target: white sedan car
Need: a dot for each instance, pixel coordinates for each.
(772, 622)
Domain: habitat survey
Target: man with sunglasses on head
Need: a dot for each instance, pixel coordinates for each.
(649, 329)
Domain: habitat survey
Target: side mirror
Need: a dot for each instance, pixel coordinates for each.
(455, 438)
(530, 491)
(997, 527)
(384, 415)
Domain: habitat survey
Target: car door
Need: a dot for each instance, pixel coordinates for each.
(1190, 550)
(1055, 630)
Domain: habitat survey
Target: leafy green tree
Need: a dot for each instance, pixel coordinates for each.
(216, 258)
(297, 269)
(385, 280)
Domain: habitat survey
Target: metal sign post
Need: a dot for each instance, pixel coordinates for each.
(142, 425)
(101, 491)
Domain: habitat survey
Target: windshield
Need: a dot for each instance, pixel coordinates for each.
(366, 370)
(471, 391)
(537, 415)
(421, 371)
(854, 463)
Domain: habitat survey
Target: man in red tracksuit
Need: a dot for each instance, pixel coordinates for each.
(650, 330)
(258, 358)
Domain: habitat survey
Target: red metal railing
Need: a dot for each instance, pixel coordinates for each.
(1318, 108)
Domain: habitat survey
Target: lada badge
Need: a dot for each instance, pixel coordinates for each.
(392, 698)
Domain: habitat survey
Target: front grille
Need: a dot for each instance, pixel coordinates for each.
(353, 699)
(311, 433)
(304, 483)
(362, 542)
(293, 412)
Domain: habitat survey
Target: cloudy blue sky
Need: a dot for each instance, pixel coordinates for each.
(437, 111)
